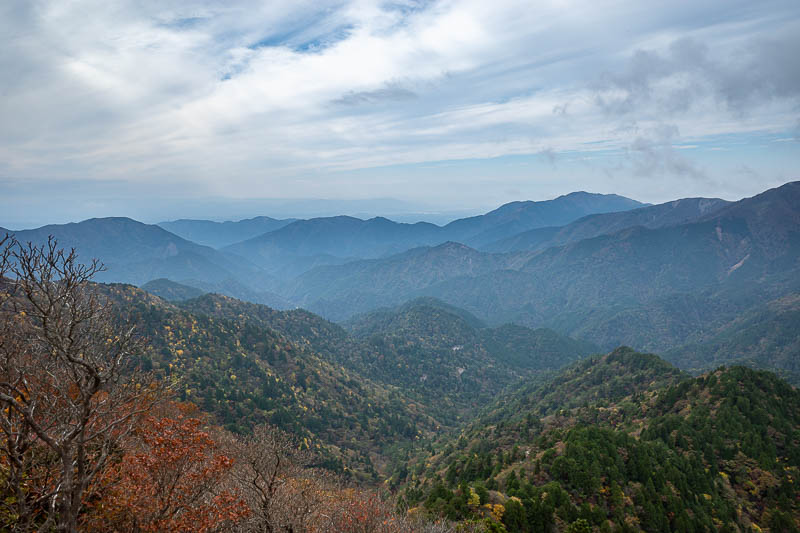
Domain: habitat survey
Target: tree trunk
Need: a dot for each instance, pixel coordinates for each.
(67, 519)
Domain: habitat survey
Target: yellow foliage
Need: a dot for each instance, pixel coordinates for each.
(496, 510)
(474, 500)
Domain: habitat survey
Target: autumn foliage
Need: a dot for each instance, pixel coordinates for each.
(167, 481)
(91, 440)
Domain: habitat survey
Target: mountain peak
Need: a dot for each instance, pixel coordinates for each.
(453, 245)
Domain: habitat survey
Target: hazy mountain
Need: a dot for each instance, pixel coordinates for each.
(339, 292)
(171, 290)
(220, 234)
(329, 240)
(663, 283)
(307, 243)
(237, 289)
(137, 253)
(766, 337)
(515, 217)
(286, 248)
(652, 217)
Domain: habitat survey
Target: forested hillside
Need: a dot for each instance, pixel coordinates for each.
(638, 447)
(658, 285)
(458, 389)
(438, 356)
(245, 373)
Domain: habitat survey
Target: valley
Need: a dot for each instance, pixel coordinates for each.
(491, 384)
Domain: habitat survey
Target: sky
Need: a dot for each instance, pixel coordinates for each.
(167, 109)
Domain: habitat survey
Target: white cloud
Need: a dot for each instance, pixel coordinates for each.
(250, 97)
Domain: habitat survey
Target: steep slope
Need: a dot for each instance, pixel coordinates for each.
(665, 322)
(718, 452)
(445, 351)
(651, 217)
(439, 356)
(747, 240)
(220, 234)
(596, 380)
(237, 368)
(646, 287)
(339, 292)
(765, 337)
(136, 253)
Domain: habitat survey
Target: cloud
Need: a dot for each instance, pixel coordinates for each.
(655, 155)
(550, 155)
(741, 76)
(390, 93)
(292, 98)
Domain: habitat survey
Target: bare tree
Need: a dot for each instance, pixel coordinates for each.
(68, 389)
(271, 473)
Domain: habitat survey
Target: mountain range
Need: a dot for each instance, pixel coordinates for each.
(475, 370)
(220, 234)
(134, 252)
(680, 278)
(651, 217)
(655, 288)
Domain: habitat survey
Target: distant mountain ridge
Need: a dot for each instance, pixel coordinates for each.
(651, 217)
(220, 234)
(516, 217)
(340, 292)
(673, 278)
(577, 287)
(134, 252)
(326, 239)
(282, 249)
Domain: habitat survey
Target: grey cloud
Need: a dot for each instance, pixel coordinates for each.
(748, 173)
(655, 155)
(550, 155)
(760, 70)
